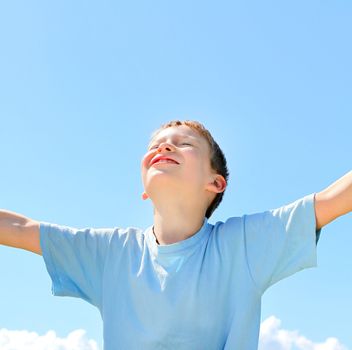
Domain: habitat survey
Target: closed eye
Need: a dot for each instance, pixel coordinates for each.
(182, 144)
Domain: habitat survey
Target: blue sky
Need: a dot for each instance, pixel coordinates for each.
(83, 84)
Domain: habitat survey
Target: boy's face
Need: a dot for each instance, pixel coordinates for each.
(178, 158)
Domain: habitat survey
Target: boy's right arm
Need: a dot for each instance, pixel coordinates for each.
(19, 231)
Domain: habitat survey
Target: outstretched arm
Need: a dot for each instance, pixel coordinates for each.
(19, 231)
(334, 201)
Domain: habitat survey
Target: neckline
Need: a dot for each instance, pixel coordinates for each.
(180, 246)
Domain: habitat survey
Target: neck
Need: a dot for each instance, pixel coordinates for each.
(177, 224)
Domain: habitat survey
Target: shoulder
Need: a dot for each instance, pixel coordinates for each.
(228, 232)
(126, 236)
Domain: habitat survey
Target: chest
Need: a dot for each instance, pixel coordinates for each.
(193, 296)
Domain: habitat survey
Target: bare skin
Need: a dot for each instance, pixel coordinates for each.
(181, 190)
(181, 193)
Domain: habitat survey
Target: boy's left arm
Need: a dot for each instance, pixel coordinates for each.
(334, 201)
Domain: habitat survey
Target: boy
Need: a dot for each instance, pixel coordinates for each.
(182, 283)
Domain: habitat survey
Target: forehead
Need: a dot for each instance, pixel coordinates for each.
(182, 131)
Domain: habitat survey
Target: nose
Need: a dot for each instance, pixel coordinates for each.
(166, 147)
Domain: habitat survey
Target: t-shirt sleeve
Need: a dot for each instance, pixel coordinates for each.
(75, 260)
(282, 241)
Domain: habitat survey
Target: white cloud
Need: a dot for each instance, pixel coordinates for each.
(273, 337)
(25, 340)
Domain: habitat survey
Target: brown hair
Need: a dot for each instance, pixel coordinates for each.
(217, 157)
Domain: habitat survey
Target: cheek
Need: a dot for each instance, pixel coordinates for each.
(197, 166)
(144, 163)
(197, 160)
(146, 160)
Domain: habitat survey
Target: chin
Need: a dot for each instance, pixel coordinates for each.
(160, 182)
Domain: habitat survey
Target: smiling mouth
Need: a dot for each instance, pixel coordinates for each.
(164, 161)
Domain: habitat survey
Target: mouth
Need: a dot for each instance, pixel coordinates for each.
(163, 160)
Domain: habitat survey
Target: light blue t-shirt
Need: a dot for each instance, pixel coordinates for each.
(202, 293)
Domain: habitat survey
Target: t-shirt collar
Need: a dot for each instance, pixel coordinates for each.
(175, 248)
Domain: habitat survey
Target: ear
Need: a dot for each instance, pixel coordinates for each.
(145, 196)
(217, 185)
